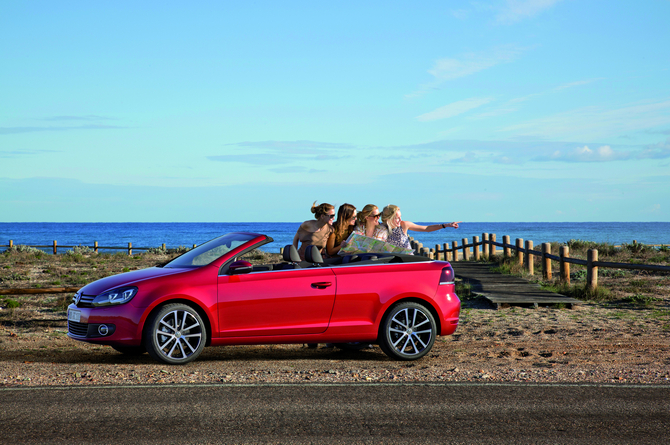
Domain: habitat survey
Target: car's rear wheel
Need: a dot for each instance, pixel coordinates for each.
(129, 350)
(175, 334)
(407, 332)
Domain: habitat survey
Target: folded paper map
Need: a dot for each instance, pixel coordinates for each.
(365, 244)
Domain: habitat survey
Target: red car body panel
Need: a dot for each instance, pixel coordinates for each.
(332, 304)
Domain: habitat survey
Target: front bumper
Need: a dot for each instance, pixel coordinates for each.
(108, 325)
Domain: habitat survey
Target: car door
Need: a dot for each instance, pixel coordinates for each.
(280, 302)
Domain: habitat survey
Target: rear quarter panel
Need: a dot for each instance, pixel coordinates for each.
(365, 292)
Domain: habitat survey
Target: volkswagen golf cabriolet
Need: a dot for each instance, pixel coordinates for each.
(210, 296)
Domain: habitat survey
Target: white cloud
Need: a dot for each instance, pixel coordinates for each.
(517, 10)
(656, 151)
(585, 154)
(591, 123)
(454, 109)
(449, 69)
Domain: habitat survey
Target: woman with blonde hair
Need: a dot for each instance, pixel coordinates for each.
(397, 229)
(368, 223)
(315, 232)
(346, 219)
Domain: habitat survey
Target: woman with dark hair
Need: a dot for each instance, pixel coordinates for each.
(346, 219)
(315, 232)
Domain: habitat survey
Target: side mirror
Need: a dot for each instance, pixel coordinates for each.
(240, 267)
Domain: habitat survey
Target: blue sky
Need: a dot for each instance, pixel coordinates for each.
(500, 110)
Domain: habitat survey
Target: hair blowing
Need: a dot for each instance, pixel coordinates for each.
(367, 211)
(321, 209)
(344, 215)
(388, 213)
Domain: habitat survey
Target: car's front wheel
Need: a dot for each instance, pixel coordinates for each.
(175, 334)
(408, 331)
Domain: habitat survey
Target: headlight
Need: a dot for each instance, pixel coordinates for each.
(115, 296)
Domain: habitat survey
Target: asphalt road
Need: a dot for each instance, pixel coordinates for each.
(358, 413)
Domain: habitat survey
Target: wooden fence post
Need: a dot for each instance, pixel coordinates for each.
(475, 247)
(492, 247)
(163, 247)
(591, 270)
(466, 250)
(565, 266)
(11, 243)
(417, 248)
(530, 261)
(506, 244)
(55, 247)
(454, 248)
(485, 245)
(546, 261)
(519, 250)
(447, 256)
(95, 246)
(130, 249)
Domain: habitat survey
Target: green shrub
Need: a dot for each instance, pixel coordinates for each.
(637, 248)
(11, 304)
(578, 244)
(581, 292)
(20, 248)
(80, 250)
(641, 300)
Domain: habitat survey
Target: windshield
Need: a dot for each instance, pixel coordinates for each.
(211, 250)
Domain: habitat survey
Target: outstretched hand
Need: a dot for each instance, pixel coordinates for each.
(454, 224)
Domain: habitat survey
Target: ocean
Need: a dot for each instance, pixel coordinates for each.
(187, 234)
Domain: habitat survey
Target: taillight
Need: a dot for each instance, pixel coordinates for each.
(447, 276)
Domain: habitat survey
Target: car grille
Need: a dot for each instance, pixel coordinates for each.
(84, 301)
(77, 328)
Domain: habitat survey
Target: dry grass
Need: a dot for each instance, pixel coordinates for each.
(616, 287)
(35, 269)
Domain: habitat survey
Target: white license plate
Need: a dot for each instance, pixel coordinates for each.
(74, 315)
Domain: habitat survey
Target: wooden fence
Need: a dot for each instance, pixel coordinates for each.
(94, 247)
(524, 253)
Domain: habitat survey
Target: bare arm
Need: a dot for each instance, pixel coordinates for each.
(408, 225)
(295, 240)
(331, 249)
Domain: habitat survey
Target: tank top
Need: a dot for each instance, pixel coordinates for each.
(318, 238)
(399, 238)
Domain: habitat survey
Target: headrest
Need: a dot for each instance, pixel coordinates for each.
(291, 254)
(313, 255)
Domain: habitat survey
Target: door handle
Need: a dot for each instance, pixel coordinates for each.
(321, 284)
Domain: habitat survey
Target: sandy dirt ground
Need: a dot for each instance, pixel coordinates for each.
(591, 343)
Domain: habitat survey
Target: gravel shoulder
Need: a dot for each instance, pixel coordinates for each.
(626, 340)
(587, 344)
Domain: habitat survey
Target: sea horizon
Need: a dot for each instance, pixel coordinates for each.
(175, 234)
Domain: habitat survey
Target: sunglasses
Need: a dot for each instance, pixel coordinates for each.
(375, 216)
(331, 216)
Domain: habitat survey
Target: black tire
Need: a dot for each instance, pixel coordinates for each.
(129, 350)
(175, 334)
(407, 332)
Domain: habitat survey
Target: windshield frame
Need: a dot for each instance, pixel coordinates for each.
(206, 252)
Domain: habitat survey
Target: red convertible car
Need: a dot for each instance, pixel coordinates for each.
(211, 296)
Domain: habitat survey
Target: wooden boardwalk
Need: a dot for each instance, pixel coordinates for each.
(502, 289)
